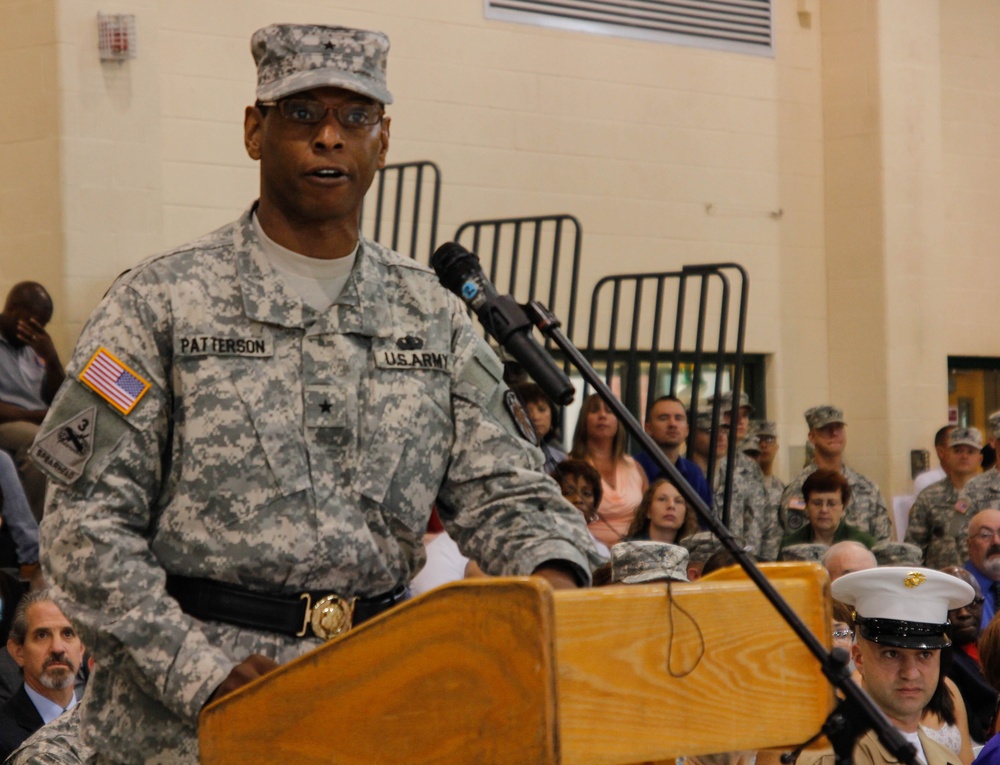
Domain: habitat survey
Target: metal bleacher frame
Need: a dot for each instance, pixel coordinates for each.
(400, 219)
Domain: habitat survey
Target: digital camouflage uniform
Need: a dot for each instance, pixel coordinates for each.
(938, 525)
(277, 449)
(57, 743)
(982, 492)
(750, 510)
(866, 510)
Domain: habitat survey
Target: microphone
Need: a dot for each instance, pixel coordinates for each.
(460, 271)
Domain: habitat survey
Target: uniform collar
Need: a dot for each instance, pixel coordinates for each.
(362, 307)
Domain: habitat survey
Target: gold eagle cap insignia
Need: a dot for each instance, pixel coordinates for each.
(914, 579)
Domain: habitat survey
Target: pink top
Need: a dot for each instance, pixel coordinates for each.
(618, 505)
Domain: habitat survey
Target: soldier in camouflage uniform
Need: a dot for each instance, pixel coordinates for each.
(938, 521)
(866, 510)
(231, 429)
(983, 491)
(752, 516)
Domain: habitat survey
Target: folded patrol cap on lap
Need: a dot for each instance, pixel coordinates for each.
(295, 57)
(903, 606)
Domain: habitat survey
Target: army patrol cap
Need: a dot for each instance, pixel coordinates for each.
(806, 551)
(750, 445)
(889, 553)
(701, 546)
(823, 415)
(764, 428)
(965, 437)
(291, 58)
(639, 561)
(903, 606)
(726, 401)
(994, 421)
(703, 421)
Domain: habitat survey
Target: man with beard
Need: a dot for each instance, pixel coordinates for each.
(49, 652)
(966, 670)
(983, 545)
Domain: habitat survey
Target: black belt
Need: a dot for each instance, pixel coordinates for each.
(328, 614)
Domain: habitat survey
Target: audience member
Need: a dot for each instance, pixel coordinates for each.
(989, 652)
(638, 562)
(983, 490)
(18, 519)
(752, 517)
(701, 546)
(889, 553)
(826, 494)
(580, 484)
(30, 375)
(945, 719)
(766, 432)
(983, 546)
(600, 440)
(803, 551)
(667, 424)
(721, 558)
(846, 558)
(843, 628)
(46, 647)
(828, 435)
(928, 477)
(542, 413)
(662, 516)
(901, 617)
(966, 670)
(939, 522)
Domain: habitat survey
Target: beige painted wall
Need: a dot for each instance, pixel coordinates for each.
(872, 137)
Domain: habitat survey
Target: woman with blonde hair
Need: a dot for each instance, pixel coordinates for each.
(600, 440)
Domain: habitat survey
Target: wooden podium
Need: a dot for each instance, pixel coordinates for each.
(506, 671)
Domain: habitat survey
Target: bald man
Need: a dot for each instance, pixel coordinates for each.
(846, 558)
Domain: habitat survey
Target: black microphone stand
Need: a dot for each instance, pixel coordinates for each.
(856, 713)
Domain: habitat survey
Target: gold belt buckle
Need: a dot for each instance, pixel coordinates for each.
(329, 616)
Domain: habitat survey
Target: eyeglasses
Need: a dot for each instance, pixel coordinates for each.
(985, 535)
(841, 634)
(308, 111)
(830, 503)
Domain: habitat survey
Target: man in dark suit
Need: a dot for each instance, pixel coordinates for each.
(47, 649)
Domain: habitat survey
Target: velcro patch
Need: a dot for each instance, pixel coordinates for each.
(66, 449)
(209, 345)
(113, 381)
(796, 504)
(413, 360)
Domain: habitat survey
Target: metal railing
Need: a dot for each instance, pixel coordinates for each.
(400, 210)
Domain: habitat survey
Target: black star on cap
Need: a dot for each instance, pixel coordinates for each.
(329, 45)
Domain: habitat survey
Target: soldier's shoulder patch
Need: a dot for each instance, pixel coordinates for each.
(796, 504)
(520, 417)
(962, 507)
(114, 381)
(65, 450)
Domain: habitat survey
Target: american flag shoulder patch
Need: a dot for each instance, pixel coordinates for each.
(113, 381)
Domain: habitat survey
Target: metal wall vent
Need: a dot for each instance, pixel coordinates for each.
(742, 26)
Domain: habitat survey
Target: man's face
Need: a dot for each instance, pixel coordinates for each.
(965, 621)
(848, 560)
(963, 460)
(830, 440)
(984, 542)
(52, 651)
(742, 424)
(900, 680)
(768, 449)
(667, 424)
(315, 173)
(21, 307)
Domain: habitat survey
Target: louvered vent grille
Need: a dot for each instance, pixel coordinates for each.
(735, 25)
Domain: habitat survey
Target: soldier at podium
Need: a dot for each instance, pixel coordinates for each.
(256, 424)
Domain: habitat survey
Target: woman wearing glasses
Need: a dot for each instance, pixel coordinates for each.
(826, 495)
